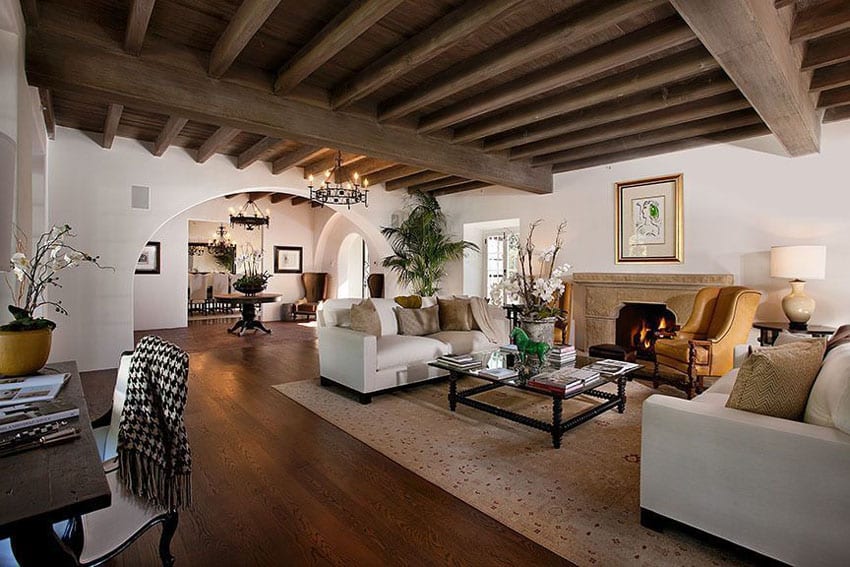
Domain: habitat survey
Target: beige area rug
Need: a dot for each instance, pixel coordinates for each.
(580, 501)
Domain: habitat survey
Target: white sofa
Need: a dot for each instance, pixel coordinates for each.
(367, 364)
(778, 487)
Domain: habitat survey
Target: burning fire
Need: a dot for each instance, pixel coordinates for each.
(645, 336)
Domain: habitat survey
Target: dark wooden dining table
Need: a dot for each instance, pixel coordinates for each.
(43, 486)
(248, 310)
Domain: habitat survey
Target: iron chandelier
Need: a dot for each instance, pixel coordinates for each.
(338, 189)
(249, 216)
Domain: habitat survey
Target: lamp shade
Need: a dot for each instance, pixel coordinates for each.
(798, 262)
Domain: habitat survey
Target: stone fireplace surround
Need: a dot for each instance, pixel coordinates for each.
(598, 298)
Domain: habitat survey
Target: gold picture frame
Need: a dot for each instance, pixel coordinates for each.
(649, 221)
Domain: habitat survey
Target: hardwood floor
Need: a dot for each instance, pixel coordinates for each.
(274, 484)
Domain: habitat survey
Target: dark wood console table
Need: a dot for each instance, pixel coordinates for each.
(51, 484)
(770, 331)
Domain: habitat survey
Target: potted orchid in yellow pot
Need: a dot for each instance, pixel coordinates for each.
(25, 341)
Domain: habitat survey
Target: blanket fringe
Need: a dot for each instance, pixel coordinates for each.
(147, 480)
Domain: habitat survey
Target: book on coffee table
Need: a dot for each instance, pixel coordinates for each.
(498, 373)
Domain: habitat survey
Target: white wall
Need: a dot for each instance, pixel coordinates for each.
(738, 203)
(160, 299)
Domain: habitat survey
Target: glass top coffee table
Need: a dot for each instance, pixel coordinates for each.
(558, 425)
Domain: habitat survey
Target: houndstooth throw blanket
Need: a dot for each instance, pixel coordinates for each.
(153, 451)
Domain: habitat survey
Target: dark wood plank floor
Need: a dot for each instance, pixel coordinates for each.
(274, 484)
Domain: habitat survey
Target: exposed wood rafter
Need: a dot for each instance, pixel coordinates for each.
(365, 168)
(110, 126)
(256, 151)
(749, 40)
(137, 25)
(214, 143)
(831, 77)
(837, 113)
(587, 18)
(414, 179)
(246, 22)
(460, 188)
(276, 198)
(420, 49)
(47, 111)
(348, 25)
(821, 19)
(834, 97)
(168, 134)
(327, 163)
(394, 172)
(827, 51)
(293, 158)
(438, 184)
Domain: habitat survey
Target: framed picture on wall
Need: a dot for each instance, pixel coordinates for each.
(288, 259)
(148, 262)
(649, 221)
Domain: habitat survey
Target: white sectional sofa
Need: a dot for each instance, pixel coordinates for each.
(778, 487)
(367, 364)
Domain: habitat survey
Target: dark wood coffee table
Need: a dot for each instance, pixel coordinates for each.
(558, 425)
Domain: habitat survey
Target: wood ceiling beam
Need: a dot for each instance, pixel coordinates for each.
(837, 113)
(437, 184)
(530, 139)
(697, 128)
(46, 100)
(344, 28)
(295, 201)
(526, 46)
(365, 168)
(418, 50)
(294, 157)
(460, 188)
(690, 112)
(652, 75)
(257, 195)
(279, 198)
(256, 151)
(246, 22)
(834, 97)
(415, 179)
(319, 167)
(137, 25)
(668, 147)
(394, 172)
(214, 143)
(647, 41)
(750, 41)
(175, 84)
(827, 51)
(110, 125)
(783, 3)
(820, 19)
(831, 77)
(168, 134)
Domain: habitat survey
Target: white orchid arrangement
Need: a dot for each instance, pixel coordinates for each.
(538, 291)
(250, 262)
(34, 274)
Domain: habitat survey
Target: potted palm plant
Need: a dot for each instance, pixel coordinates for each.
(25, 341)
(421, 246)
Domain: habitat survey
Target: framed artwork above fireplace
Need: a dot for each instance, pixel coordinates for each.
(649, 221)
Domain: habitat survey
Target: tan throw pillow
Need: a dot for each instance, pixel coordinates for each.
(776, 381)
(473, 324)
(418, 322)
(455, 315)
(364, 318)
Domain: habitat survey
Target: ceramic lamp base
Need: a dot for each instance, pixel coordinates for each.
(798, 306)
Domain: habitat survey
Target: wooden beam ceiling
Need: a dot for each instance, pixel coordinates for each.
(110, 126)
(438, 184)
(827, 51)
(349, 24)
(652, 75)
(420, 49)
(246, 22)
(831, 77)
(168, 134)
(749, 40)
(460, 188)
(215, 142)
(256, 151)
(46, 100)
(415, 179)
(587, 18)
(327, 163)
(821, 19)
(653, 39)
(137, 25)
(280, 197)
(294, 157)
(395, 172)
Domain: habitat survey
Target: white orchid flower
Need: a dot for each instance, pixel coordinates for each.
(19, 260)
(19, 273)
(55, 252)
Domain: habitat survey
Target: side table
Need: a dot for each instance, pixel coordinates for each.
(770, 331)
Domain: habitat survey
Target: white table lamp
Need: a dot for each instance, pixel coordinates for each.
(798, 263)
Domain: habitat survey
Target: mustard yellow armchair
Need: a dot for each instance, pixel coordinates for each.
(721, 319)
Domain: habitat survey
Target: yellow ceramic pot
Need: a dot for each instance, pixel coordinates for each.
(23, 352)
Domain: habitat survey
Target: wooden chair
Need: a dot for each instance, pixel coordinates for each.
(563, 324)
(704, 346)
(315, 291)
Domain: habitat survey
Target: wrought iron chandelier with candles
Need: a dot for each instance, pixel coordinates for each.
(250, 216)
(337, 190)
(221, 244)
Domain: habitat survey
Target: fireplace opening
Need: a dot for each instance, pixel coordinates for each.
(639, 325)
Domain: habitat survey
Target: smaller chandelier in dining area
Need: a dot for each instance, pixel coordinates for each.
(250, 216)
(338, 188)
(221, 244)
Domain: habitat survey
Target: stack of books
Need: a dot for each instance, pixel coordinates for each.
(459, 361)
(498, 373)
(509, 349)
(610, 368)
(562, 354)
(565, 380)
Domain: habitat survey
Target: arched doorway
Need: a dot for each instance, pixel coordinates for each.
(352, 267)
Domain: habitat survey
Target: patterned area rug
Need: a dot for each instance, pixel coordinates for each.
(580, 501)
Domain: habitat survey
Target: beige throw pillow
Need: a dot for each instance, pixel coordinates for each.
(455, 315)
(776, 381)
(418, 322)
(364, 318)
